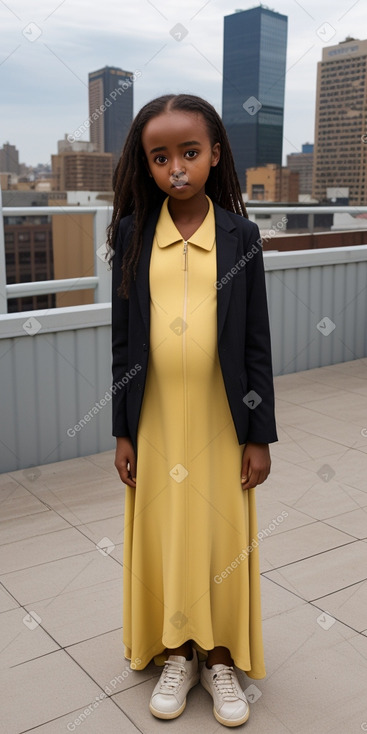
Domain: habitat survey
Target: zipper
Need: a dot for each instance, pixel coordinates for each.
(184, 261)
(186, 426)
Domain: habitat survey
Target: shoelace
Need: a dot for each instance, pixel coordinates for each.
(173, 674)
(225, 683)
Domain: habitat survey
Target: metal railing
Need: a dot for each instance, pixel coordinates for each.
(101, 281)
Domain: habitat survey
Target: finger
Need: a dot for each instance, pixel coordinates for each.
(245, 470)
(251, 480)
(133, 468)
(125, 475)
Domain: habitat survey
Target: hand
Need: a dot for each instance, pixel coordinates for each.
(255, 464)
(125, 461)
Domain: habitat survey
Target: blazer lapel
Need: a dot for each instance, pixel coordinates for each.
(142, 273)
(227, 243)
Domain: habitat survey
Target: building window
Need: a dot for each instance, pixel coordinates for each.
(258, 192)
(25, 258)
(40, 257)
(23, 237)
(10, 258)
(40, 236)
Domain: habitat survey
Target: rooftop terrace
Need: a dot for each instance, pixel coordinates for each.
(314, 571)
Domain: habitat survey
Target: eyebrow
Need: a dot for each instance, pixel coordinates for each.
(180, 145)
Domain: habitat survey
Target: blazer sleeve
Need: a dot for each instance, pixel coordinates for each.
(120, 326)
(262, 427)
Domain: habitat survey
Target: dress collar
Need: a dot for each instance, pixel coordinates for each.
(167, 233)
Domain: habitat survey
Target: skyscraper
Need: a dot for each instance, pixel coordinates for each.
(110, 108)
(254, 65)
(340, 157)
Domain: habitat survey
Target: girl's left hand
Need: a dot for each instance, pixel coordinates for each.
(255, 464)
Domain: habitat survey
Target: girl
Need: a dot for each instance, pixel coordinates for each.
(193, 406)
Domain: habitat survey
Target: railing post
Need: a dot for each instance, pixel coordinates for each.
(311, 223)
(3, 298)
(102, 218)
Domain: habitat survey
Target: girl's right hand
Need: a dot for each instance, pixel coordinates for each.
(125, 461)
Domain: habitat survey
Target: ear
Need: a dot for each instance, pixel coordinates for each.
(215, 154)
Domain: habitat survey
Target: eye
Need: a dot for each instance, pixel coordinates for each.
(191, 153)
(160, 159)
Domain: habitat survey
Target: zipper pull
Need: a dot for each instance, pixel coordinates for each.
(184, 263)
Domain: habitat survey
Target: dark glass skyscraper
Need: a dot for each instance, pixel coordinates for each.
(110, 108)
(254, 66)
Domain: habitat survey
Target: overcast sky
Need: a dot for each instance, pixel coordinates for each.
(49, 46)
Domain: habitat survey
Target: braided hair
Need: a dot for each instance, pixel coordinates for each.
(135, 192)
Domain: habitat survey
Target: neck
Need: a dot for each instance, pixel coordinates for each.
(191, 210)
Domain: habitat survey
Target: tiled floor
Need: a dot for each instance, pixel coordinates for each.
(68, 658)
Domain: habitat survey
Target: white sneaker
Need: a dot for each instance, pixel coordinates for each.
(168, 699)
(230, 703)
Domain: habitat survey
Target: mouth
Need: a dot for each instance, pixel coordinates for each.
(179, 185)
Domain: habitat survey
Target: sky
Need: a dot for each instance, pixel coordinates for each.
(48, 47)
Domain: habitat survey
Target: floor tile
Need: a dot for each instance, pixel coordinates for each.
(70, 472)
(58, 577)
(16, 501)
(104, 461)
(325, 574)
(276, 600)
(321, 666)
(22, 639)
(110, 527)
(100, 717)
(43, 689)
(93, 500)
(278, 517)
(302, 542)
(27, 526)
(6, 600)
(354, 522)
(42, 549)
(103, 658)
(79, 615)
(348, 605)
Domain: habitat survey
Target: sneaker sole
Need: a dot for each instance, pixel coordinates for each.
(171, 714)
(225, 722)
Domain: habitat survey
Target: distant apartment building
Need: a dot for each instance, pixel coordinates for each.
(29, 258)
(110, 108)
(254, 67)
(47, 248)
(303, 164)
(9, 159)
(272, 183)
(82, 171)
(340, 156)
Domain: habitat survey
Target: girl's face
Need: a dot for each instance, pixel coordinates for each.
(179, 151)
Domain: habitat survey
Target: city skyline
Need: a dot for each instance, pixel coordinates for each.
(46, 58)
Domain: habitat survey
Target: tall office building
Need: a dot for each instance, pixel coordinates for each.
(110, 108)
(254, 66)
(9, 159)
(340, 156)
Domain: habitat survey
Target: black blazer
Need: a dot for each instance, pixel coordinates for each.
(242, 329)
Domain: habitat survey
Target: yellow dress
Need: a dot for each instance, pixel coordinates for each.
(190, 571)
